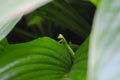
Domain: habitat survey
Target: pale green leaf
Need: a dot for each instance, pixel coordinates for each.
(12, 10)
(7, 25)
(104, 54)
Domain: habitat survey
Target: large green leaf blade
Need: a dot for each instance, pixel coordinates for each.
(12, 11)
(105, 42)
(41, 59)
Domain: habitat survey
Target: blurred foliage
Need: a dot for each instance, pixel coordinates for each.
(71, 18)
(95, 2)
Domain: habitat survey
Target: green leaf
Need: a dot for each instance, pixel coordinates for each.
(105, 42)
(36, 20)
(12, 11)
(41, 59)
(79, 68)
